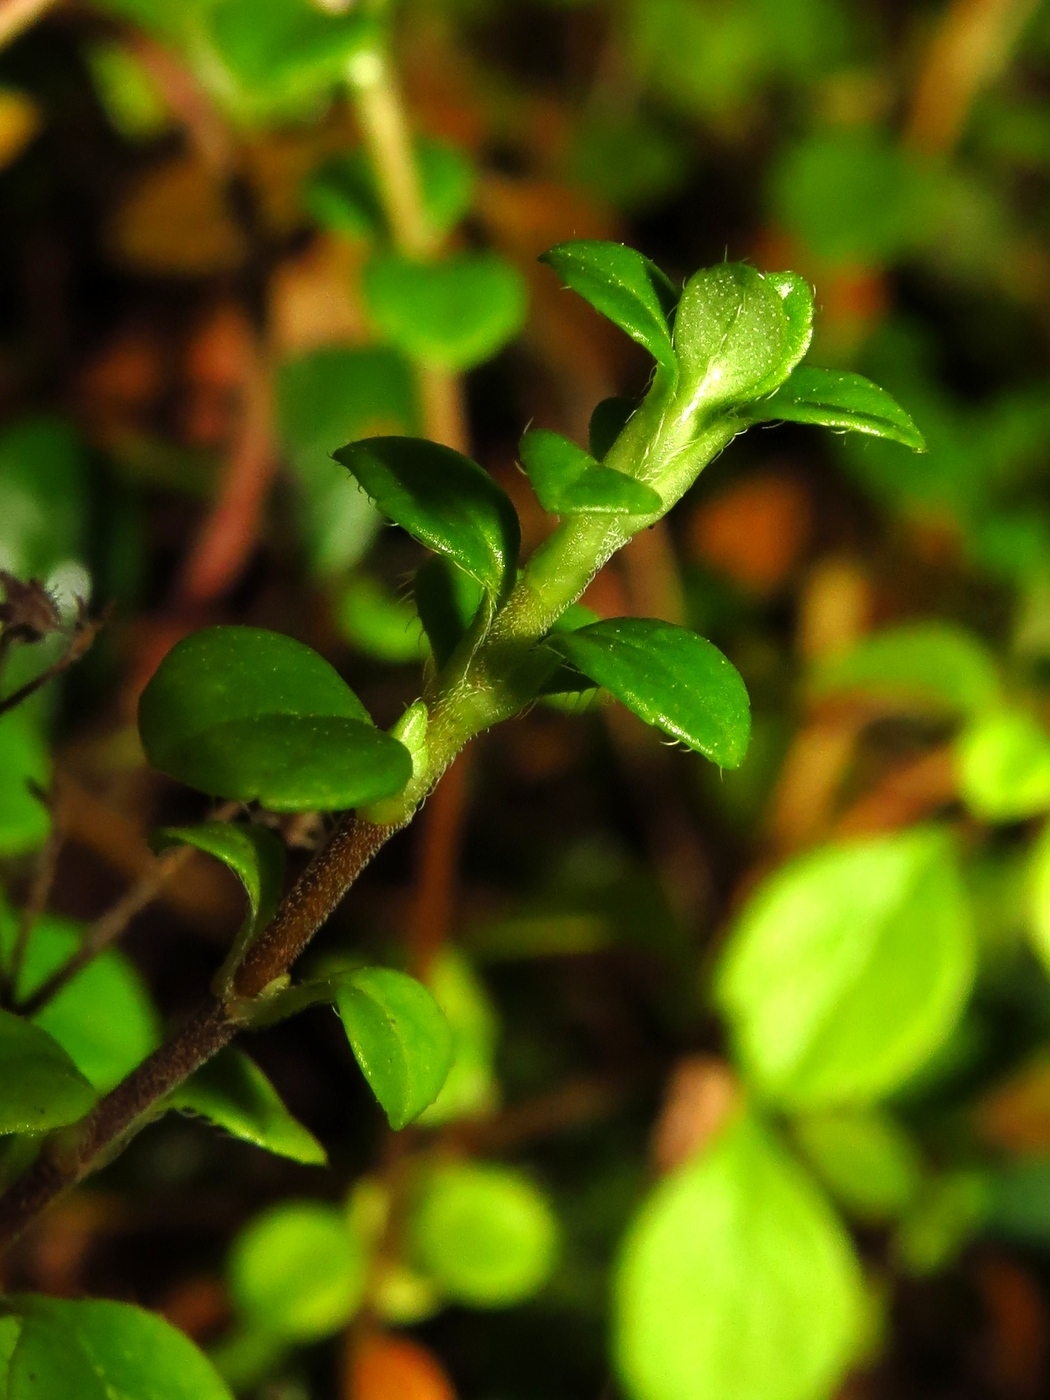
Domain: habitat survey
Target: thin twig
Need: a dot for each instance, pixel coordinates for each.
(79, 643)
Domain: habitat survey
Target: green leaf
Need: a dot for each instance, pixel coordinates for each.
(43, 497)
(669, 677)
(825, 946)
(866, 1160)
(607, 423)
(485, 1234)
(24, 760)
(104, 1048)
(733, 336)
(836, 399)
(568, 481)
(240, 712)
(126, 91)
(1038, 896)
(445, 500)
(40, 1086)
(447, 601)
(736, 1280)
(919, 665)
(287, 53)
(796, 297)
(342, 194)
(254, 854)
(325, 398)
(399, 1037)
(624, 286)
(232, 1092)
(449, 315)
(943, 1221)
(1003, 763)
(298, 1271)
(471, 1089)
(96, 1350)
(377, 623)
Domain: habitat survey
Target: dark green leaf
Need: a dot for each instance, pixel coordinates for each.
(232, 1092)
(1003, 762)
(837, 399)
(607, 423)
(447, 601)
(244, 713)
(40, 1086)
(43, 500)
(826, 945)
(254, 854)
(445, 500)
(624, 286)
(104, 1048)
(733, 336)
(1038, 896)
(737, 1280)
(298, 1271)
(94, 1350)
(924, 665)
(399, 1037)
(484, 1234)
(670, 678)
(568, 481)
(449, 315)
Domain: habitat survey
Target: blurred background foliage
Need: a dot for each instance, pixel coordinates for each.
(752, 1084)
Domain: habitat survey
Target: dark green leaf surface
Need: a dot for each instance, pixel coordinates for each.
(670, 678)
(733, 336)
(624, 286)
(104, 1047)
(837, 399)
(447, 600)
(24, 760)
(244, 713)
(40, 1086)
(445, 500)
(232, 1092)
(298, 1271)
(737, 1280)
(484, 1234)
(569, 481)
(825, 946)
(254, 854)
(94, 1350)
(399, 1037)
(450, 315)
(607, 423)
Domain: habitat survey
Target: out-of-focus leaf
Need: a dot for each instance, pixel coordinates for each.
(485, 1234)
(471, 1089)
(624, 286)
(450, 315)
(245, 713)
(342, 195)
(232, 1092)
(24, 765)
(43, 499)
(326, 398)
(669, 677)
(20, 120)
(298, 1271)
(103, 1018)
(400, 1039)
(40, 1086)
(736, 1280)
(1003, 761)
(377, 623)
(1039, 896)
(96, 1350)
(924, 665)
(865, 1158)
(445, 500)
(836, 399)
(127, 92)
(825, 946)
(948, 1212)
